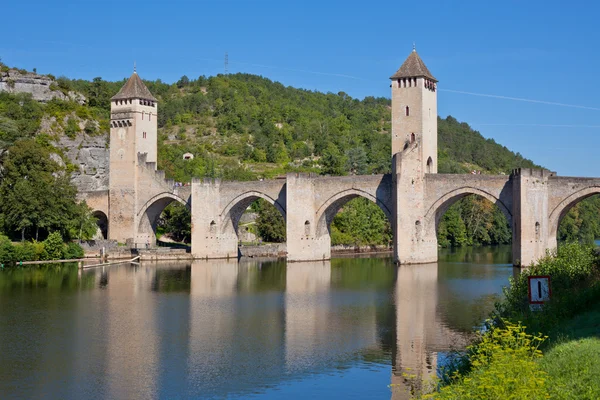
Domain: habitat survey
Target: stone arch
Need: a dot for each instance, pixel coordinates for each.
(233, 211)
(149, 213)
(441, 205)
(102, 222)
(562, 208)
(327, 211)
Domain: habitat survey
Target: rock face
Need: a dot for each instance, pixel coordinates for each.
(15, 81)
(90, 154)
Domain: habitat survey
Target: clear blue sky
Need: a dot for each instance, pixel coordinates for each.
(539, 50)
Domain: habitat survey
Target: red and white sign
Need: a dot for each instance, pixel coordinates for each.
(539, 290)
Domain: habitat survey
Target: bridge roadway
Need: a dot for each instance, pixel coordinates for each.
(533, 201)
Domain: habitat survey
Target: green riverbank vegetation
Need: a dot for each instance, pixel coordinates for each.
(522, 354)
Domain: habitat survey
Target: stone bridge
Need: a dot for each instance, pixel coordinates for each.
(533, 202)
(414, 196)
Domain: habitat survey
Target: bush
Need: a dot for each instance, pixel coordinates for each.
(28, 251)
(502, 366)
(72, 128)
(54, 248)
(572, 269)
(73, 250)
(7, 250)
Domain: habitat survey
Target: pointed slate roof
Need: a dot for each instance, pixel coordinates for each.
(134, 89)
(413, 67)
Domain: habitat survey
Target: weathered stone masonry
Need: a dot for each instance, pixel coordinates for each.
(414, 197)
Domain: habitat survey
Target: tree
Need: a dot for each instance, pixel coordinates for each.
(356, 162)
(333, 161)
(176, 220)
(270, 223)
(37, 194)
(183, 81)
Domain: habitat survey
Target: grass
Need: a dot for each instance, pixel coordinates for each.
(574, 369)
(573, 361)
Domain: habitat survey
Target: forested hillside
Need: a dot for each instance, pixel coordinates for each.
(247, 127)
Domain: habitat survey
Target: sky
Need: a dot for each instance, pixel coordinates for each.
(520, 72)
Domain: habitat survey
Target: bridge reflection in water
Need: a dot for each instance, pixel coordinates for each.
(223, 328)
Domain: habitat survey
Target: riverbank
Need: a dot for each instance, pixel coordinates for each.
(511, 358)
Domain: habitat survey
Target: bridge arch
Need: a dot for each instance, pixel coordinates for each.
(328, 210)
(441, 205)
(562, 208)
(233, 211)
(102, 222)
(149, 213)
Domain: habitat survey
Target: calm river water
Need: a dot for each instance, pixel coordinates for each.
(348, 328)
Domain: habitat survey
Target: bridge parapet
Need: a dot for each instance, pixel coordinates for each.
(533, 172)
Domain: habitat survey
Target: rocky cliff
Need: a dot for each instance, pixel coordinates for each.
(41, 87)
(90, 156)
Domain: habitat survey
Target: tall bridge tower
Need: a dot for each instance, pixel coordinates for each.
(133, 131)
(414, 155)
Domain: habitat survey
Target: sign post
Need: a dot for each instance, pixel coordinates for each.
(539, 291)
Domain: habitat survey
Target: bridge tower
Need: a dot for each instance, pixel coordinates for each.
(133, 131)
(414, 154)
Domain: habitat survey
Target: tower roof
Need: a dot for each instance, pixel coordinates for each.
(413, 67)
(134, 88)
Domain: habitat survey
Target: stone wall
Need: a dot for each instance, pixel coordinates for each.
(267, 250)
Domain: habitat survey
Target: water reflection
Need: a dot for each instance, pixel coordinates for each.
(237, 329)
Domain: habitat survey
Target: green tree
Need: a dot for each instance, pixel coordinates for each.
(356, 161)
(270, 223)
(333, 161)
(183, 81)
(176, 221)
(361, 222)
(36, 192)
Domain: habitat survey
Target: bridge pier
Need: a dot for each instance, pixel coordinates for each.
(415, 240)
(303, 241)
(210, 238)
(531, 230)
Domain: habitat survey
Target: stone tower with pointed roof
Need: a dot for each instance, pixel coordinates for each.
(133, 132)
(414, 112)
(414, 157)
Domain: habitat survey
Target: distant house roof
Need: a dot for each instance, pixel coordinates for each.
(134, 89)
(413, 67)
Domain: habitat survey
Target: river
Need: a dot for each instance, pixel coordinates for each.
(350, 328)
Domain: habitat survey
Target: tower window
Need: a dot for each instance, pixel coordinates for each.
(407, 111)
(144, 135)
(429, 165)
(412, 137)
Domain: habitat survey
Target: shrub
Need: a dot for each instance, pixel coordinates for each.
(26, 251)
(571, 269)
(503, 366)
(7, 250)
(54, 248)
(72, 128)
(73, 250)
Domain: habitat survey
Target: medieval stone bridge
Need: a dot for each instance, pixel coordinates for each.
(414, 196)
